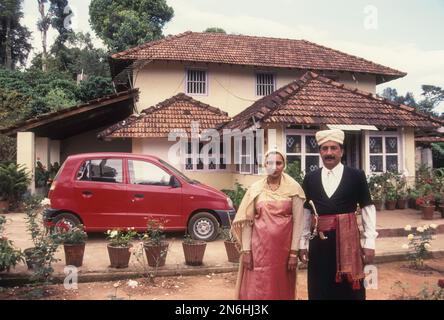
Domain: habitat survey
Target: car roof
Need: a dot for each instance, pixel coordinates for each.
(113, 155)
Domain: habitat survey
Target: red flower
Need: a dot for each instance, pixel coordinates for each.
(441, 283)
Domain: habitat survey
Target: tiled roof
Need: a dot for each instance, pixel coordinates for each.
(254, 51)
(429, 139)
(161, 119)
(314, 100)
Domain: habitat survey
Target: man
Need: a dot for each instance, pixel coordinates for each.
(335, 258)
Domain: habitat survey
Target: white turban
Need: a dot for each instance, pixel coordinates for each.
(335, 135)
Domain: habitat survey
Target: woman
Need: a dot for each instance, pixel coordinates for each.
(268, 227)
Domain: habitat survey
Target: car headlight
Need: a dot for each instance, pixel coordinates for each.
(230, 203)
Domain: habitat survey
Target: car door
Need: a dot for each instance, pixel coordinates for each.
(151, 196)
(100, 193)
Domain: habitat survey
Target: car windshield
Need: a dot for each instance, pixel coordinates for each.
(177, 172)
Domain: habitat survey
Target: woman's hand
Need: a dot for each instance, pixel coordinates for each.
(303, 255)
(247, 260)
(292, 262)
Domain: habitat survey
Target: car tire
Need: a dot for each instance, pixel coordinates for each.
(203, 226)
(69, 219)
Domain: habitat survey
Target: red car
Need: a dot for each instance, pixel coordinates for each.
(103, 191)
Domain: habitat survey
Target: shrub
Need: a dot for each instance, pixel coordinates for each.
(236, 195)
(9, 256)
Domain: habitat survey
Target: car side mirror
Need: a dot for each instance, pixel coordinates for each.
(174, 183)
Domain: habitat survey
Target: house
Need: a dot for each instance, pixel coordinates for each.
(278, 91)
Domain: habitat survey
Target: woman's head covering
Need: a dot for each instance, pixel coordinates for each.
(334, 135)
(275, 151)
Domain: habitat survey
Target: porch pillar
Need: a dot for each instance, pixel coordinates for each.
(427, 157)
(42, 150)
(54, 152)
(26, 155)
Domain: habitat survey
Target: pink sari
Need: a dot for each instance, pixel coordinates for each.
(270, 245)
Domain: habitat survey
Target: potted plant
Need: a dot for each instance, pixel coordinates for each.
(427, 206)
(193, 250)
(390, 198)
(230, 243)
(73, 239)
(413, 195)
(9, 256)
(402, 199)
(119, 246)
(156, 248)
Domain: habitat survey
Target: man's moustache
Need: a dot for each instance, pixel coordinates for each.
(329, 158)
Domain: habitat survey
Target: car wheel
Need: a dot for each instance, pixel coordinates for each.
(203, 226)
(63, 221)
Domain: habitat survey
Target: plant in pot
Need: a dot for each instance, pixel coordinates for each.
(376, 194)
(73, 240)
(427, 206)
(230, 243)
(9, 256)
(40, 257)
(119, 246)
(440, 199)
(390, 198)
(154, 243)
(413, 195)
(193, 250)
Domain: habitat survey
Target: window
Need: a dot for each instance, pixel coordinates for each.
(384, 153)
(211, 164)
(101, 170)
(196, 82)
(265, 84)
(146, 173)
(302, 148)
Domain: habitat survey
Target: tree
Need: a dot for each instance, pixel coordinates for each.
(215, 30)
(43, 25)
(124, 24)
(14, 38)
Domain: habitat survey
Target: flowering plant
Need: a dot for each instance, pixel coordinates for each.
(121, 237)
(71, 235)
(155, 231)
(9, 256)
(425, 201)
(419, 243)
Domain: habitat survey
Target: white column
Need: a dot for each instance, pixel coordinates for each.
(42, 150)
(26, 154)
(427, 157)
(54, 151)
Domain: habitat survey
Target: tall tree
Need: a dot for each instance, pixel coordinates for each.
(14, 38)
(43, 25)
(122, 24)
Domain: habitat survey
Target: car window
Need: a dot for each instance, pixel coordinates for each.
(102, 170)
(146, 173)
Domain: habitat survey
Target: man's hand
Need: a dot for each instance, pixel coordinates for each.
(368, 255)
(292, 263)
(247, 260)
(303, 255)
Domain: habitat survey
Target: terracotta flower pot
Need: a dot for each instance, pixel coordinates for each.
(232, 252)
(412, 203)
(378, 204)
(119, 256)
(427, 212)
(156, 254)
(194, 252)
(74, 254)
(401, 203)
(390, 204)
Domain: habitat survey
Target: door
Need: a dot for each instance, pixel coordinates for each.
(100, 192)
(152, 197)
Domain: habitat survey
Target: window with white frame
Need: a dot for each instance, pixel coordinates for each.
(196, 81)
(384, 153)
(200, 165)
(265, 84)
(302, 148)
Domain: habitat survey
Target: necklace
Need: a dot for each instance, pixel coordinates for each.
(275, 186)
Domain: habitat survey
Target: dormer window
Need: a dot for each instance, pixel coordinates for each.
(265, 84)
(196, 82)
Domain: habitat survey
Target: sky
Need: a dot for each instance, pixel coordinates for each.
(407, 35)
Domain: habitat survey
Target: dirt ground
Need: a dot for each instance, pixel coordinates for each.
(394, 281)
